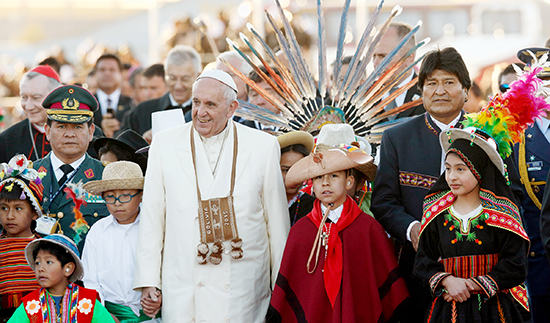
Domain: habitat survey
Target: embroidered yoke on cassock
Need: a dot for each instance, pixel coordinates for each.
(357, 280)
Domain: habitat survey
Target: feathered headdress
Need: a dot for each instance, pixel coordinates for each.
(19, 171)
(307, 105)
(501, 123)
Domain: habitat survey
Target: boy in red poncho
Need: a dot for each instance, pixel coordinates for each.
(338, 264)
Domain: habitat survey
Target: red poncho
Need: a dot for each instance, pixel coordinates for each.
(369, 288)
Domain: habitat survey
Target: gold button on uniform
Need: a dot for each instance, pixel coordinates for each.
(536, 189)
(95, 215)
(60, 215)
(532, 254)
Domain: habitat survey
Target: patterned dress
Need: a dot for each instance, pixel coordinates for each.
(490, 249)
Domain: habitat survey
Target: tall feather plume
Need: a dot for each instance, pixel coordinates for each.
(262, 115)
(355, 59)
(279, 86)
(287, 77)
(368, 56)
(388, 80)
(384, 64)
(297, 87)
(285, 47)
(301, 62)
(268, 96)
(340, 47)
(322, 48)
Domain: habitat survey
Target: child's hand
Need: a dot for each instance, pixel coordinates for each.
(151, 301)
(457, 289)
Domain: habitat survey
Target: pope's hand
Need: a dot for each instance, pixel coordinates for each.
(151, 301)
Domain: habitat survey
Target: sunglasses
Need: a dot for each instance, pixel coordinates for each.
(503, 87)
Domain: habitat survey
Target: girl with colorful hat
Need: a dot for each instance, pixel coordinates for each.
(337, 259)
(20, 198)
(473, 247)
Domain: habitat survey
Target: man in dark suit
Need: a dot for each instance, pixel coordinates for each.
(533, 160)
(182, 66)
(69, 129)
(411, 161)
(395, 33)
(112, 104)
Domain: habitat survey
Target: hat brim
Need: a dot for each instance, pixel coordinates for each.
(100, 142)
(98, 187)
(455, 133)
(296, 138)
(79, 270)
(69, 118)
(368, 169)
(325, 162)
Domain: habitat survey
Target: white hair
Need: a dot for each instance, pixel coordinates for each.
(236, 60)
(181, 54)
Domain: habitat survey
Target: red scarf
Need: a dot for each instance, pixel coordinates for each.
(332, 269)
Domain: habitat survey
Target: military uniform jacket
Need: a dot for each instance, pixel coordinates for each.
(61, 208)
(17, 140)
(139, 119)
(537, 159)
(410, 163)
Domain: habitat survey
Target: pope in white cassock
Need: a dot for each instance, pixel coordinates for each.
(213, 263)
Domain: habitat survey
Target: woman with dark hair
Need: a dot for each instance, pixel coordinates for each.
(295, 146)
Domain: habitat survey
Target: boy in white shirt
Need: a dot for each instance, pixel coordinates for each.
(109, 252)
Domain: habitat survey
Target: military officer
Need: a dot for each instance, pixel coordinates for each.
(69, 129)
(533, 158)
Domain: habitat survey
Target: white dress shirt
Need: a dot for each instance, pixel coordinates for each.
(335, 214)
(108, 259)
(57, 163)
(174, 103)
(102, 98)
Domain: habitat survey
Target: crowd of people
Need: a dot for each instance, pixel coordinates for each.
(164, 205)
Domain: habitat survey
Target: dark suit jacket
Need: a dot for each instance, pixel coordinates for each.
(139, 119)
(537, 158)
(124, 105)
(17, 140)
(61, 208)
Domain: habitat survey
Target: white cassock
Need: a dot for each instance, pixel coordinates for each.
(235, 290)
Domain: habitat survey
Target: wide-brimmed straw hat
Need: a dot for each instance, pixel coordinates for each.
(478, 137)
(368, 169)
(67, 244)
(120, 175)
(296, 138)
(325, 162)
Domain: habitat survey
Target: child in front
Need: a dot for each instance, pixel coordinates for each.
(350, 274)
(110, 248)
(20, 198)
(473, 247)
(56, 264)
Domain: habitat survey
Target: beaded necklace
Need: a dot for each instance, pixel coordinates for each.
(297, 208)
